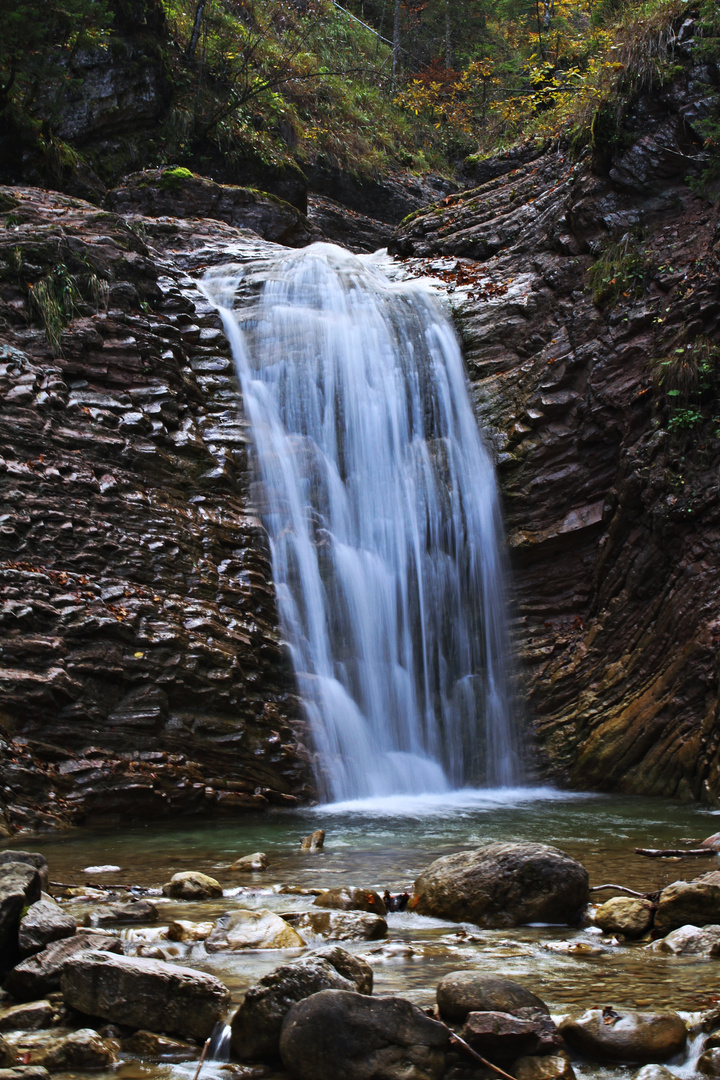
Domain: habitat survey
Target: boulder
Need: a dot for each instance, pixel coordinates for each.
(28, 1017)
(131, 911)
(83, 1049)
(43, 923)
(146, 994)
(8, 1056)
(191, 885)
(20, 886)
(257, 1024)
(31, 858)
(463, 992)
(25, 1072)
(339, 925)
(251, 864)
(351, 900)
(708, 1063)
(40, 974)
(712, 841)
(654, 1072)
(338, 1033)
(184, 930)
(179, 193)
(313, 842)
(690, 941)
(605, 1035)
(503, 885)
(627, 915)
(148, 1044)
(502, 1035)
(243, 929)
(688, 902)
(551, 1067)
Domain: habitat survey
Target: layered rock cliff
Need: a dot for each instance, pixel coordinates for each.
(140, 663)
(612, 507)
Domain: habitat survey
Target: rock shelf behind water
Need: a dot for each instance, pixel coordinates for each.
(146, 994)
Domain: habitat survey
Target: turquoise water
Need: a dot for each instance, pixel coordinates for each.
(386, 844)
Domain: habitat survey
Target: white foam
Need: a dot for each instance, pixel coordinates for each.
(449, 802)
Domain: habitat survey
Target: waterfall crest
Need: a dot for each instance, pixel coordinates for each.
(380, 503)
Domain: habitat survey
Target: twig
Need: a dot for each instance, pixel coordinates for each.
(619, 888)
(675, 853)
(478, 1057)
(202, 1058)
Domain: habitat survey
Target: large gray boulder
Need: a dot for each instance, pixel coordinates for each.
(40, 974)
(695, 903)
(463, 992)
(43, 923)
(257, 1024)
(336, 1033)
(605, 1035)
(31, 858)
(503, 885)
(145, 993)
(20, 886)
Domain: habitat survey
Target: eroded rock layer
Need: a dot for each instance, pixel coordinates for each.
(613, 514)
(141, 669)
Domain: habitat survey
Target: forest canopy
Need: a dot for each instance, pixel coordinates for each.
(368, 85)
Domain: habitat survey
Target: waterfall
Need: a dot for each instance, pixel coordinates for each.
(380, 503)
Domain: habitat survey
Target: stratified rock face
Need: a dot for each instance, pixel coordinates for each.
(141, 671)
(613, 520)
(159, 192)
(145, 993)
(503, 885)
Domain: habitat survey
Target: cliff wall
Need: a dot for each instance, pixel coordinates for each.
(579, 289)
(140, 665)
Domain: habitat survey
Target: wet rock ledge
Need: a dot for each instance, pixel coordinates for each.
(140, 667)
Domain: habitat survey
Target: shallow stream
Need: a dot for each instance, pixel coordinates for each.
(386, 844)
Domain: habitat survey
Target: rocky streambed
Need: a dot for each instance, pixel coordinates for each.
(154, 939)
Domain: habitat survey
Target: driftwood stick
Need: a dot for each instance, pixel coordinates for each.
(478, 1057)
(676, 853)
(619, 888)
(106, 887)
(202, 1059)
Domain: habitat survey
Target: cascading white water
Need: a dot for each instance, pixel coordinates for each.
(380, 503)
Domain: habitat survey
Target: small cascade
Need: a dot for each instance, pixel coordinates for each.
(219, 1048)
(380, 503)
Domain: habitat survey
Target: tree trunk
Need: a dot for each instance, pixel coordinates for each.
(195, 36)
(448, 41)
(396, 44)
